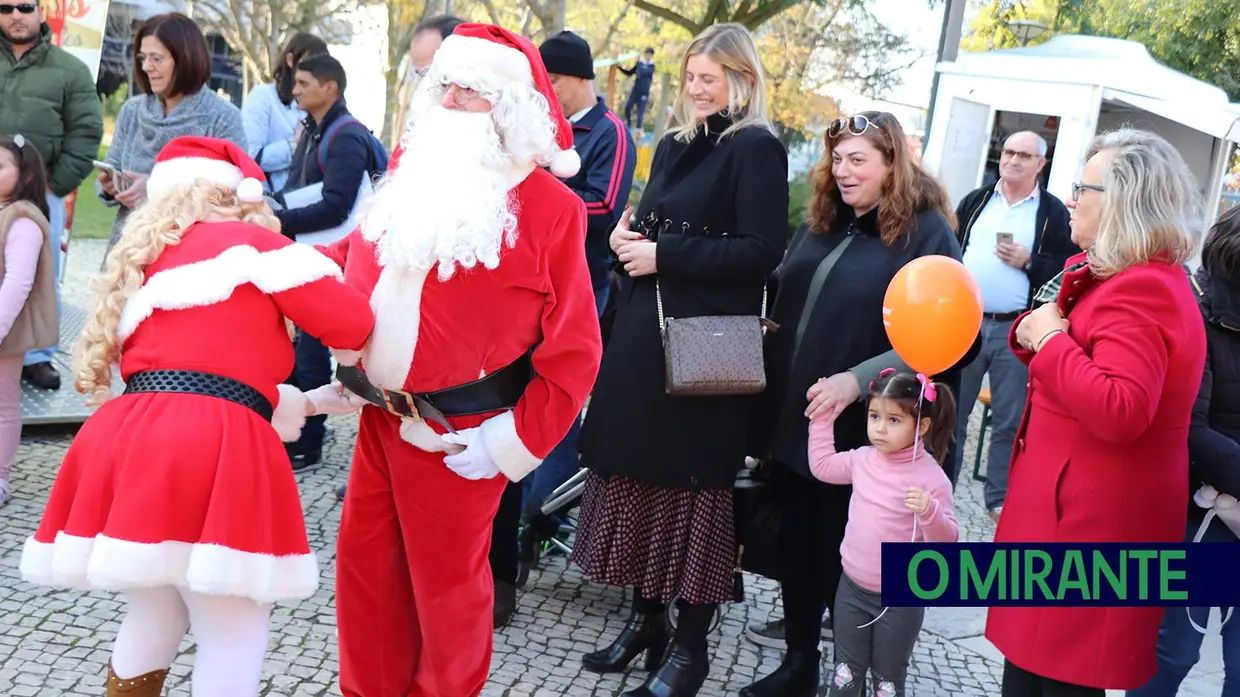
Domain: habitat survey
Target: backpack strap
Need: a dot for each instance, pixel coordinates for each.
(326, 141)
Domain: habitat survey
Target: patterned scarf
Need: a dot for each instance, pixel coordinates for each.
(1049, 293)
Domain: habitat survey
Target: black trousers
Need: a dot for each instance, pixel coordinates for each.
(811, 529)
(504, 529)
(1018, 682)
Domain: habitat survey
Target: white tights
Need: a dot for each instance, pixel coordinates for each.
(230, 632)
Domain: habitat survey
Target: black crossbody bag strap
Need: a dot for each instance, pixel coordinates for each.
(815, 288)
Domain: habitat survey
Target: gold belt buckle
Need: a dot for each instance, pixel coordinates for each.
(413, 414)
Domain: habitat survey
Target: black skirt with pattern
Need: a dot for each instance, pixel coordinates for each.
(666, 543)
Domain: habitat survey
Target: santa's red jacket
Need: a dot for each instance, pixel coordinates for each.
(431, 335)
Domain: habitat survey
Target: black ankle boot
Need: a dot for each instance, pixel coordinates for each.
(797, 676)
(644, 632)
(681, 675)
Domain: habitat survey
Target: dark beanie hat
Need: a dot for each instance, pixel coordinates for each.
(568, 54)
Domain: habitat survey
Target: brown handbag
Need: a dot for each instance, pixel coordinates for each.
(713, 356)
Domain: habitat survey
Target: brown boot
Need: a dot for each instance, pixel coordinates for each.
(147, 685)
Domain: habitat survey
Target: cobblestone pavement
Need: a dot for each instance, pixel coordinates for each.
(57, 642)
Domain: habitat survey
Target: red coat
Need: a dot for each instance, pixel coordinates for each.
(1102, 456)
(431, 334)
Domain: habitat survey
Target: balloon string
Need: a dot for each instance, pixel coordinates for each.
(916, 442)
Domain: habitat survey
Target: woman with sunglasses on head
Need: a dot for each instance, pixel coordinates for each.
(657, 512)
(873, 210)
(1115, 360)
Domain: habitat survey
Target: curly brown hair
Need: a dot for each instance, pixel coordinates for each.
(907, 188)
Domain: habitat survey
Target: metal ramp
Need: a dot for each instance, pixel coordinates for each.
(66, 405)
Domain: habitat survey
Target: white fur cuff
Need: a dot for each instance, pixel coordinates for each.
(345, 357)
(499, 433)
(290, 413)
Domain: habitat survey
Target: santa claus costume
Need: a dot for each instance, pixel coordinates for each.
(486, 345)
(179, 492)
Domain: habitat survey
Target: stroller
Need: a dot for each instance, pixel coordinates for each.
(550, 526)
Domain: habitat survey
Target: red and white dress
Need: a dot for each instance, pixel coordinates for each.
(190, 490)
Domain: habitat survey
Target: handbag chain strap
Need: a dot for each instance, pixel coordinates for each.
(658, 298)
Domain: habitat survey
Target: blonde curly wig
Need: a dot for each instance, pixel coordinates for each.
(148, 231)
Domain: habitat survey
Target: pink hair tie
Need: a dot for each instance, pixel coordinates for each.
(927, 387)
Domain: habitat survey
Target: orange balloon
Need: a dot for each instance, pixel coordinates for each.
(932, 313)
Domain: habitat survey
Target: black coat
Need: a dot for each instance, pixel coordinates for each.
(721, 208)
(1214, 437)
(349, 156)
(844, 332)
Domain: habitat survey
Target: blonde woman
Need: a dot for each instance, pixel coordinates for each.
(657, 510)
(178, 493)
(1115, 361)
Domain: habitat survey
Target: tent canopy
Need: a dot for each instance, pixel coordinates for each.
(1124, 69)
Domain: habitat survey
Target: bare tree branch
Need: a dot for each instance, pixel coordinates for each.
(605, 45)
(670, 15)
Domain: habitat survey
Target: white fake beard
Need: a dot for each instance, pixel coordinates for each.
(447, 202)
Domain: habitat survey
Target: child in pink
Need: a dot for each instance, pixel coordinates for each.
(28, 313)
(900, 493)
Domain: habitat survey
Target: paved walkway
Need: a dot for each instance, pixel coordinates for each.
(56, 643)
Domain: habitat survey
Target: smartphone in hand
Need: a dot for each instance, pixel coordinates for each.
(1004, 237)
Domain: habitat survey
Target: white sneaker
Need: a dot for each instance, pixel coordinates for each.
(5, 494)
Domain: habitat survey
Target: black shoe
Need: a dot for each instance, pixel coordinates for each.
(505, 603)
(797, 676)
(681, 675)
(42, 375)
(529, 549)
(643, 632)
(303, 459)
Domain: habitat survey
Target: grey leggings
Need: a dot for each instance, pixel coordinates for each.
(882, 649)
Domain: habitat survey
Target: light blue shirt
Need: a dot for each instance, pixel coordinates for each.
(269, 129)
(1004, 287)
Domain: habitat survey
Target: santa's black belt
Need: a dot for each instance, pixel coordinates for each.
(495, 392)
(207, 384)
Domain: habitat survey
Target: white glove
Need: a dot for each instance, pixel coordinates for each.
(334, 399)
(474, 462)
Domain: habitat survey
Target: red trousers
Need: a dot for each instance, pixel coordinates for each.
(414, 595)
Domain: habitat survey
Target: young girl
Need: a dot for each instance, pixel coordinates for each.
(900, 494)
(28, 317)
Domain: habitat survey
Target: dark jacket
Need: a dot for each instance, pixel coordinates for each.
(844, 331)
(645, 76)
(1052, 242)
(1214, 437)
(718, 211)
(49, 97)
(608, 158)
(348, 155)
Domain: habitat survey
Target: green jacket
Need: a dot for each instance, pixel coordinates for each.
(49, 97)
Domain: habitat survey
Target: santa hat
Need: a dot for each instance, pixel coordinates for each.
(188, 159)
(485, 49)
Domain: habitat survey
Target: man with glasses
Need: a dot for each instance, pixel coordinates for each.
(427, 38)
(48, 97)
(1015, 238)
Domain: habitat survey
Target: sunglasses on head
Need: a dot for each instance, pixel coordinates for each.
(26, 8)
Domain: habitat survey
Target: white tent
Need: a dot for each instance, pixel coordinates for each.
(1070, 89)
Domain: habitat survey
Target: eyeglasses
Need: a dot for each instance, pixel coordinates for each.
(1077, 188)
(26, 8)
(1018, 155)
(856, 125)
